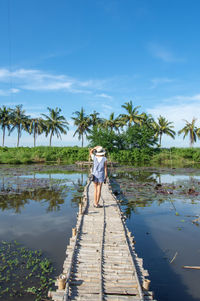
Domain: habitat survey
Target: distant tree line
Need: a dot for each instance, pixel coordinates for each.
(128, 130)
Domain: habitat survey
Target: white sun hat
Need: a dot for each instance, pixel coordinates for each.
(100, 151)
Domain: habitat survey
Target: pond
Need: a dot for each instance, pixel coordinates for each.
(39, 205)
(163, 211)
(37, 210)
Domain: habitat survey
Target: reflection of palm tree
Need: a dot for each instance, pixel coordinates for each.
(3, 183)
(159, 178)
(54, 203)
(81, 179)
(17, 202)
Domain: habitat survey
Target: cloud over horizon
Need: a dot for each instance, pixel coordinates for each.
(184, 108)
(38, 80)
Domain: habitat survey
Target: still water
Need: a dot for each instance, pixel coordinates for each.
(161, 210)
(39, 210)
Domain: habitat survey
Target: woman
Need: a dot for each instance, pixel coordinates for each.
(99, 171)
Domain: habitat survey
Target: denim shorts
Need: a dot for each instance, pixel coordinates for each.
(97, 180)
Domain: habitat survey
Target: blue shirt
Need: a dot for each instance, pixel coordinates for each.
(99, 169)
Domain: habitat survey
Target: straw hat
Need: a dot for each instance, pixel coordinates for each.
(100, 151)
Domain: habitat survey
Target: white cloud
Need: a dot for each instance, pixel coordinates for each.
(160, 81)
(37, 80)
(103, 95)
(14, 90)
(181, 108)
(8, 92)
(4, 73)
(107, 107)
(164, 54)
(183, 98)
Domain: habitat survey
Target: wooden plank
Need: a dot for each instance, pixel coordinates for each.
(99, 257)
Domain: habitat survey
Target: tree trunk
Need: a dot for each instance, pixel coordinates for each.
(18, 135)
(82, 140)
(50, 138)
(192, 138)
(160, 138)
(4, 129)
(34, 135)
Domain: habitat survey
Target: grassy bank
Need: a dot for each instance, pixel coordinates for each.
(42, 154)
(178, 156)
(45, 154)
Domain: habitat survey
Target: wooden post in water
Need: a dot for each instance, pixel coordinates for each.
(146, 284)
(80, 208)
(73, 232)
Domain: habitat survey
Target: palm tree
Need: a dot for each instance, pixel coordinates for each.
(36, 127)
(83, 123)
(132, 115)
(94, 119)
(163, 126)
(147, 119)
(18, 121)
(55, 123)
(190, 129)
(4, 121)
(112, 123)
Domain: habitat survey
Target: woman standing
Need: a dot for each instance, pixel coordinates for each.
(99, 171)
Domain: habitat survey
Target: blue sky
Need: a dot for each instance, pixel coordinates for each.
(100, 54)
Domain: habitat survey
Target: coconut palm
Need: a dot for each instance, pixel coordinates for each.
(83, 123)
(19, 121)
(94, 119)
(191, 130)
(4, 121)
(147, 119)
(132, 115)
(36, 127)
(112, 123)
(163, 126)
(55, 124)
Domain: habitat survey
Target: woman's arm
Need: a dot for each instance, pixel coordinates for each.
(92, 149)
(105, 169)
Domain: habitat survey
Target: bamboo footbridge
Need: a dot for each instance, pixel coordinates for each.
(101, 263)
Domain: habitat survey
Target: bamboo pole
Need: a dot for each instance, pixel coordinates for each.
(191, 267)
(73, 232)
(146, 284)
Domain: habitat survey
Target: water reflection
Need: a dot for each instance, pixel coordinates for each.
(17, 202)
(16, 192)
(141, 189)
(160, 209)
(40, 210)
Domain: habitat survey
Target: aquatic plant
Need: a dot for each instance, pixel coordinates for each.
(24, 271)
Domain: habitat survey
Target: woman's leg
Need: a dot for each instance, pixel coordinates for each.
(98, 192)
(95, 193)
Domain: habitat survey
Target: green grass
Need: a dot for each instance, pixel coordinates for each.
(69, 155)
(42, 154)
